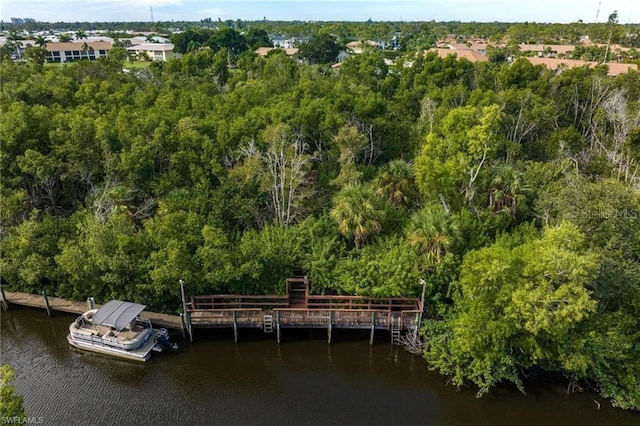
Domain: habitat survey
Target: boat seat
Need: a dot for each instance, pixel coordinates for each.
(87, 331)
(103, 329)
(126, 335)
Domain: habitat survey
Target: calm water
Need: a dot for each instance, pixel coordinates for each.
(302, 381)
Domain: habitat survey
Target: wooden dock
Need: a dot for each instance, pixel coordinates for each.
(269, 313)
(61, 305)
(299, 309)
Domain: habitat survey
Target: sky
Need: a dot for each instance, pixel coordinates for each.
(562, 11)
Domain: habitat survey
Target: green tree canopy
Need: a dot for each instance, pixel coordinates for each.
(10, 401)
(520, 303)
(320, 49)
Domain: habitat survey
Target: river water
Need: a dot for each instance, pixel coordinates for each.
(303, 381)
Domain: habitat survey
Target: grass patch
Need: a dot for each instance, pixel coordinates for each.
(136, 65)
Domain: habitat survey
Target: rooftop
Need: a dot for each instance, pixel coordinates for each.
(263, 51)
(615, 68)
(468, 54)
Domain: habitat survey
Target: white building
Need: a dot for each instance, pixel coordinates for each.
(75, 51)
(155, 51)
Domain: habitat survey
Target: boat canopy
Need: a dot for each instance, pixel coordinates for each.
(117, 314)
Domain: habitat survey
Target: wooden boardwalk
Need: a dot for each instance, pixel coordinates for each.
(67, 306)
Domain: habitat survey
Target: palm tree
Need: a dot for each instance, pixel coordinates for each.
(357, 213)
(434, 232)
(85, 48)
(13, 40)
(64, 38)
(396, 183)
(80, 35)
(508, 192)
(41, 41)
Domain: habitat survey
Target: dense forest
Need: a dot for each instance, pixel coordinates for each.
(512, 190)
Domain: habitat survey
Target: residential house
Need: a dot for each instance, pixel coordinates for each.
(476, 44)
(555, 64)
(264, 51)
(468, 54)
(154, 51)
(282, 42)
(547, 50)
(287, 42)
(357, 47)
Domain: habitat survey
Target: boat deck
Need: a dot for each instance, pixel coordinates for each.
(141, 354)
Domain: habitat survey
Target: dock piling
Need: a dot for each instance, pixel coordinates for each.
(91, 302)
(46, 302)
(278, 325)
(373, 327)
(330, 326)
(3, 300)
(183, 327)
(235, 326)
(186, 317)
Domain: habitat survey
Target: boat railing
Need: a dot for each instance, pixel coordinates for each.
(143, 322)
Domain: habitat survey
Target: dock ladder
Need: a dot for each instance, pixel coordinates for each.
(395, 329)
(267, 323)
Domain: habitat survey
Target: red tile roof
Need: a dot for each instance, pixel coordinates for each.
(553, 63)
(468, 54)
(263, 51)
(557, 48)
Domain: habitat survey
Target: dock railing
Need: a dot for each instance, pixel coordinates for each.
(236, 301)
(363, 303)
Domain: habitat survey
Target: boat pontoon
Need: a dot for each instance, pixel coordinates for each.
(117, 329)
